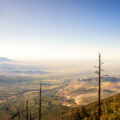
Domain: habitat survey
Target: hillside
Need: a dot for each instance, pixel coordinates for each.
(110, 108)
(110, 111)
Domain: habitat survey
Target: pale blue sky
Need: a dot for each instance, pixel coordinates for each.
(59, 29)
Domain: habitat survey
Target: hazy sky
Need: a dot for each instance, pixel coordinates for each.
(59, 29)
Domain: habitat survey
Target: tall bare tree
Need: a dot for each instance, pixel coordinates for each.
(99, 83)
(99, 91)
(30, 116)
(19, 114)
(27, 110)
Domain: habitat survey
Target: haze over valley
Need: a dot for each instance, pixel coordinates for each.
(69, 84)
(59, 60)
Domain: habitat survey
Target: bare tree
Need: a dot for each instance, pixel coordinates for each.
(99, 92)
(27, 110)
(30, 116)
(19, 114)
(62, 109)
(99, 84)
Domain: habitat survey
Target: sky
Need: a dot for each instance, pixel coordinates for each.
(59, 29)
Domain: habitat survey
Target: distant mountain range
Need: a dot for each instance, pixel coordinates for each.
(9, 67)
(3, 59)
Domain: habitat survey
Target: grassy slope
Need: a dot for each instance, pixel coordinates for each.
(110, 108)
(110, 111)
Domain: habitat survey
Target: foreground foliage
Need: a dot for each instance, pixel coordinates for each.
(110, 110)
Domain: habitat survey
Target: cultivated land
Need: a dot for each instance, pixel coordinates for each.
(62, 90)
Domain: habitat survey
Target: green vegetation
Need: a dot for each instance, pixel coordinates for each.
(15, 91)
(110, 110)
(75, 91)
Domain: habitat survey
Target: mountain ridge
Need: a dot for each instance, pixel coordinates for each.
(110, 109)
(4, 59)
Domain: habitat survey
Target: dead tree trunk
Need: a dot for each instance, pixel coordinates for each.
(30, 116)
(99, 92)
(99, 84)
(19, 114)
(27, 110)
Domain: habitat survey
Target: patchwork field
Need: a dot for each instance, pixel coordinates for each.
(63, 88)
(57, 91)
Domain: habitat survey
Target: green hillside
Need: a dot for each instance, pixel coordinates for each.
(110, 108)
